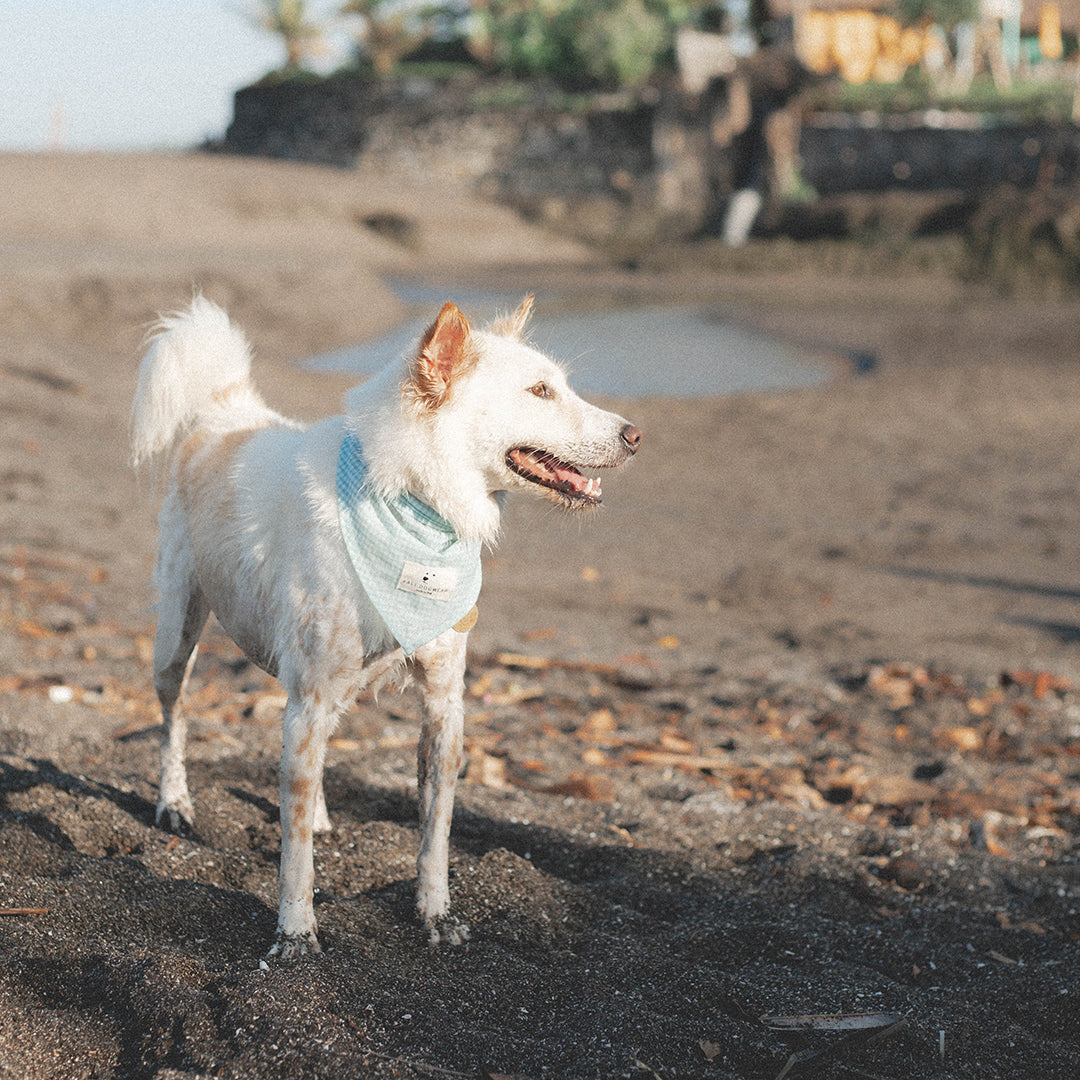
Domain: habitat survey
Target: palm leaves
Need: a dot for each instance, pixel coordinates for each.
(301, 34)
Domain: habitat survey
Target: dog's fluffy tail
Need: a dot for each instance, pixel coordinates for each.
(197, 364)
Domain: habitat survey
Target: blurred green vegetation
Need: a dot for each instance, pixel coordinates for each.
(1027, 98)
(577, 44)
(579, 47)
(947, 14)
(603, 43)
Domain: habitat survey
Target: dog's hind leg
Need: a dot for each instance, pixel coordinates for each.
(438, 763)
(182, 614)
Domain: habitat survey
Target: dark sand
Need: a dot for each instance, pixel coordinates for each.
(795, 731)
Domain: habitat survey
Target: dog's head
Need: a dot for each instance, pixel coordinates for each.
(509, 408)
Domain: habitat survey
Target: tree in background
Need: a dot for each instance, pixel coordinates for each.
(392, 29)
(608, 43)
(623, 44)
(948, 14)
(289, 19)
(945, 15)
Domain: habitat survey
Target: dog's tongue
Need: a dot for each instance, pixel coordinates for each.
(551, 469)
(564, 474)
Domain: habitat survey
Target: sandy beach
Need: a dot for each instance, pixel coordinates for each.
(789, 728)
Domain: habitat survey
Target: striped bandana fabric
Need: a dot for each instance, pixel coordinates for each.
(421, 578)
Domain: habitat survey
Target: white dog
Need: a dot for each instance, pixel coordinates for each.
(333, 554)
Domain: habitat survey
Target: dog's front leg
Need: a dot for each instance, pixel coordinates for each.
(438, 763)
(303, 748)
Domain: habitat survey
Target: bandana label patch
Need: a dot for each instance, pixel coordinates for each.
(434, 582)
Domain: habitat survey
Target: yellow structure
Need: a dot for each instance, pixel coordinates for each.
(863, 45)
(1050, 44)
(860, 45)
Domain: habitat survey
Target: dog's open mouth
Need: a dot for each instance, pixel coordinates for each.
(560, 477)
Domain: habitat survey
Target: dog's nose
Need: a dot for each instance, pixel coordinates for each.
(631, 437)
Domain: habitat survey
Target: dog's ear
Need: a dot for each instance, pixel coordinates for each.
(513, 326)
(445, 353)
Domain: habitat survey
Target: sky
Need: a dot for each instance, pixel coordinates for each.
(126, 74)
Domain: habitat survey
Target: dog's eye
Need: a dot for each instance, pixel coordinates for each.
(541, 390)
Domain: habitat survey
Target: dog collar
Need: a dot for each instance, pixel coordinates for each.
(420, 576)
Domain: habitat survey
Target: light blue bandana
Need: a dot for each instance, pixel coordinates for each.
(420, 577)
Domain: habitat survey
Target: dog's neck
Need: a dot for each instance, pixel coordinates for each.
(405, 454)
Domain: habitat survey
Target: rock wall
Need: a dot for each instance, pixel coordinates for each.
(467, 127)
(519, 146)
(935, 151)
(631, 164)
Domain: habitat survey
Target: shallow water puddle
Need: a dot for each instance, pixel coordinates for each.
(653, 350)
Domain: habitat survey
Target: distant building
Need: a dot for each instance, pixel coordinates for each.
(863, 41)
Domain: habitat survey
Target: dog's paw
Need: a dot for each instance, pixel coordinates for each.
(447, 931)
(293, 946)
(175, 819)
